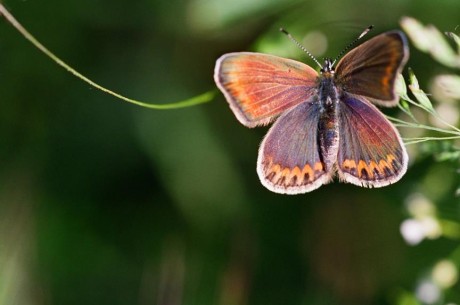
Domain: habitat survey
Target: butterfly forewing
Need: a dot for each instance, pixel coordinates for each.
(289, 159)
(371, 68)
(371, 152)
(259, 87)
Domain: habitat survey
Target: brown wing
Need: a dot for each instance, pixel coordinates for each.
(371, 68)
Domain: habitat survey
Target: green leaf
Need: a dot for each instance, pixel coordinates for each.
(440, 49)
(406, 298)
(401, 88)
(455, 38)
(416, 32)
(421, 96)
(447, 156)
(404, 106)
(430, 40)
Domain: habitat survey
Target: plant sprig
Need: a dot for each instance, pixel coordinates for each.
(199, 99)
(430, 40)
(422, 102)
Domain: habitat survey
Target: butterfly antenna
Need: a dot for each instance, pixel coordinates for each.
(300, 46)
(348, 47)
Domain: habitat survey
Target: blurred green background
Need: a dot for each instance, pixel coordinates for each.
(103, 202)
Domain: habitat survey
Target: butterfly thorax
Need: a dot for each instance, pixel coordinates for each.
(327, 90)
(328, 99)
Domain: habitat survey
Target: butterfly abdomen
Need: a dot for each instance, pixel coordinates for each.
(328, 134)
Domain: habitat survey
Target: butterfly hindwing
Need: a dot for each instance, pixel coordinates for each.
(289, 159)
(371, 152)
(259, 87)
(371, 68)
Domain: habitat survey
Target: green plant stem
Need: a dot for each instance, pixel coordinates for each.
(430, 111)
(200, 99)
(410, 141)
(404, 124)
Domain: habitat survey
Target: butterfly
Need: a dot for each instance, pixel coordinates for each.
(327, 123)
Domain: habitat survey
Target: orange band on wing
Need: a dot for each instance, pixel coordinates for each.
(381, 168)
(290, 177)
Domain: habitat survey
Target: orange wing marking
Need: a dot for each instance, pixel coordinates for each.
(292, 176)
(364, 170)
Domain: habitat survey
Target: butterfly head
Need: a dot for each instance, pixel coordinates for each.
(327, 67)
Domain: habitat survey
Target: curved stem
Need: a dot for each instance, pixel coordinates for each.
(200, 99)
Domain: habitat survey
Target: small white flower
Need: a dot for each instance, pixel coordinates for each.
(415, 230)
(412, 231)
(428, 292)
(445, 274)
